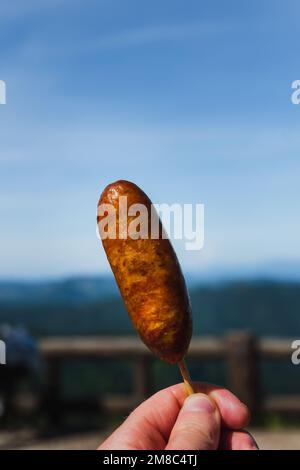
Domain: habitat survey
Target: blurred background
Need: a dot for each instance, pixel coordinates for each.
(191, 101)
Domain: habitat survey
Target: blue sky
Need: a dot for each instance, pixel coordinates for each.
(190, 100)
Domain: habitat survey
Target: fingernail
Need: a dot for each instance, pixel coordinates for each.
(253, 444)
(198, 402)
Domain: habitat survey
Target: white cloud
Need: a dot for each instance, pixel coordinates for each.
(134, 37)
(157, 33)
(232, 144)
(14, 9)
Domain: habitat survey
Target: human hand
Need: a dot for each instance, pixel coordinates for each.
(210, 419)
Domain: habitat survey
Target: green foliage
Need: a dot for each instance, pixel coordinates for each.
(267, 308)
(75, 307)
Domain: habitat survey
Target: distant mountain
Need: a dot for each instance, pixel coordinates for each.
(89, 306)
(276, 270)
(77, 290)
(280, 270)
(268, 308)
(70, 291)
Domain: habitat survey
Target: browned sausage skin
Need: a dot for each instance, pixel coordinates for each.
(150, 280)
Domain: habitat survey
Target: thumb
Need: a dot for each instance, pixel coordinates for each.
(197, 426)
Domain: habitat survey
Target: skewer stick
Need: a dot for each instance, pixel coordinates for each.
(186, 377)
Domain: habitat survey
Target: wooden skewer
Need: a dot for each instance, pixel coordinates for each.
(186, 377)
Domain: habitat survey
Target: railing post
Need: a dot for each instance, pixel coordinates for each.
(142, 378)
(243, 368)
(53, 392)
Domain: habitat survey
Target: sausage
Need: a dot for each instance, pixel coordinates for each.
(149, 278)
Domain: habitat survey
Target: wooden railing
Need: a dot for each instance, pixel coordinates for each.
(241, 351)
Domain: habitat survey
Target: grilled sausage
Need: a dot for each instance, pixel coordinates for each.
(149, 277)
